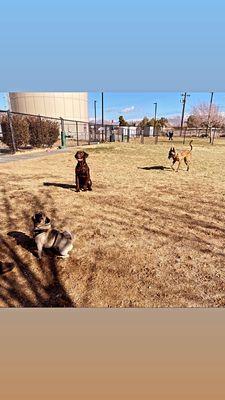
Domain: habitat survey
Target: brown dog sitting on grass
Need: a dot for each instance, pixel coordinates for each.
(82, 172)
(182, 155)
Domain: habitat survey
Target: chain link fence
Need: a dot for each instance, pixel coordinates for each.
(25, 131)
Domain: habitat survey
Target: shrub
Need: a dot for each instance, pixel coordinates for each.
(33, 131)
(43, 132)
(21, 130)
(50, 132)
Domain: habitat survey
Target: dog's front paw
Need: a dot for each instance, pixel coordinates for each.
(62, 256)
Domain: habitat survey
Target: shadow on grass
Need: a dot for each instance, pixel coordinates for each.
(24, 280)
(60, 185)
(24, 241)
(6, 267)
(5, 151)
(194, 223)
(156, 168)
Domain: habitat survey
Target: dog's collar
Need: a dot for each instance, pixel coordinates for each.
(45, 228)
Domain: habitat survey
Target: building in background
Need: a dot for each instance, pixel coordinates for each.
(67, 105)
(148, 130)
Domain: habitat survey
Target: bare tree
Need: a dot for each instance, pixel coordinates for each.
(201, 112)
(194, 121)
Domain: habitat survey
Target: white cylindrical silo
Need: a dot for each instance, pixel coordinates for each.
(68, 105)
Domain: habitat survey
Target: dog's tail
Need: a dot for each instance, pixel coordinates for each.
(68, 235)
(190, 144)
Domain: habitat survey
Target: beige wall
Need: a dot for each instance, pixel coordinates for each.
(68, 105)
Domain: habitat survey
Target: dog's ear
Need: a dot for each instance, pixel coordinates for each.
(35, 216)
(85, 154)
(76, 155)
(47, 220)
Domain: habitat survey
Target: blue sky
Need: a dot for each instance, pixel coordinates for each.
(114, 45)
(137, 105)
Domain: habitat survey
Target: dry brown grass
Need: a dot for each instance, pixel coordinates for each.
(144, 237)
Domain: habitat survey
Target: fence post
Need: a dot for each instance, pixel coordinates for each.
(156, 134)
(213, 137)
(40, 128)
(103, 134)
(142, 137)
(63, 135)
(185, 132)
(210, 134)
(77, 133)
(12, 131)
(106, 133)
(89, 134)
(128, 134)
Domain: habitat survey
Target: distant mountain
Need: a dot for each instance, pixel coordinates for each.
(106, 122)
(174, 121)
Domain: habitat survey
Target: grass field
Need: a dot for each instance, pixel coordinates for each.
(145, 236)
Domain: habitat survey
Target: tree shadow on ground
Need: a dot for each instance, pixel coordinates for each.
(26, 281)
(25, 241)
(196, 237)
(6, 267)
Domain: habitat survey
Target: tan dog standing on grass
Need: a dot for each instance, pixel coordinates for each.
(182, 155)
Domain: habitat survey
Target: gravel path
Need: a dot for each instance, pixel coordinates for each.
(6, 158)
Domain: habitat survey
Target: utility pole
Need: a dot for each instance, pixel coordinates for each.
(95, 116)
(183, 100)
(102, 109)
(156, 135)
(103, 130)
(209, 116)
